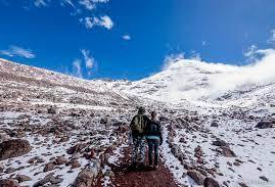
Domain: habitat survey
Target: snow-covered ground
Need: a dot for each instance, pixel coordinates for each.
(41, 106)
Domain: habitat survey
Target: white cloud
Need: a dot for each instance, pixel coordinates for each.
(195, 55)
(91, 4)
(80, 10)
(251, 53)
(67, 2)
(18, 51)
(272, 38)
(89, 60)
(77, 70)
(126, 37)
(88, 22)
(80, 68)
(104, 21)
(41, 3)
(194, 78)
(88, 4)
(80, 4)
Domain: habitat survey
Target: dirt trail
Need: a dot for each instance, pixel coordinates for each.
(143, 178)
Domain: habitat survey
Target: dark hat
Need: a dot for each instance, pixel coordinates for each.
(141, 110)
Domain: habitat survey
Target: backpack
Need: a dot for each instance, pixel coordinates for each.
(138, 124)
(153, 129)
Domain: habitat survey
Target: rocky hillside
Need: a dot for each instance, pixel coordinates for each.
(57, 130)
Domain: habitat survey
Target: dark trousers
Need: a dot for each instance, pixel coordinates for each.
(153, 147)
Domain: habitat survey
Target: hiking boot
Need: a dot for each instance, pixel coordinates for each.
(133, 166)
(142, 166)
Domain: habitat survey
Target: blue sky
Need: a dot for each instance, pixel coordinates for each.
(130, 39)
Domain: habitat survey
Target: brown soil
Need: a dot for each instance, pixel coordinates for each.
(124, 176)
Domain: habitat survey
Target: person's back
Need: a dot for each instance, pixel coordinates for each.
(137, 126)
(154, 138)
(153, 130)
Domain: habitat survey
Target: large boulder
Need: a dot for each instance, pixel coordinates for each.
(76, 148)
(48, 167)
(264, 125)
(214, 124)
(226, 151)
(52, 110)
(14, 148)
(210, 182)
(49, 180)
(87, 176)
(61, 160)
(175, 149)
(196, 176)
(22, 178)
(219, 143)
(9, 183)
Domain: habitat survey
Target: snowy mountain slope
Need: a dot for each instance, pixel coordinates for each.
(234, 98)
(56, 112)
(201, 82)
(39, 85)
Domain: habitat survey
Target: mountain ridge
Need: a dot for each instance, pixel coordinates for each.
(74, 124)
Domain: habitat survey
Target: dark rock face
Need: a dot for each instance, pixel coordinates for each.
(210, 182)
(264, 125)
(214, 124)
(14, 148)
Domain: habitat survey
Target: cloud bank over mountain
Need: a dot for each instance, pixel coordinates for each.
(195, 78)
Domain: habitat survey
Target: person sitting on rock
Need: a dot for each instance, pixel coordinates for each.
(137, 126)
(154, 139)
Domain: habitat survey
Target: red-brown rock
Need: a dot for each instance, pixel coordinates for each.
(14, 148)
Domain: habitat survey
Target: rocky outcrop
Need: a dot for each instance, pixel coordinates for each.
(22, 178)
(196, 176)
(226, 151)
(76, 148)
(87, 177)
(49, 180)
(219, 143)
(60, 160)
(264, 178)
(264, 125)
(9, 183)
(210, 182)
(48, 167)
(214, 124)
(14, 148)
(224, 148)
